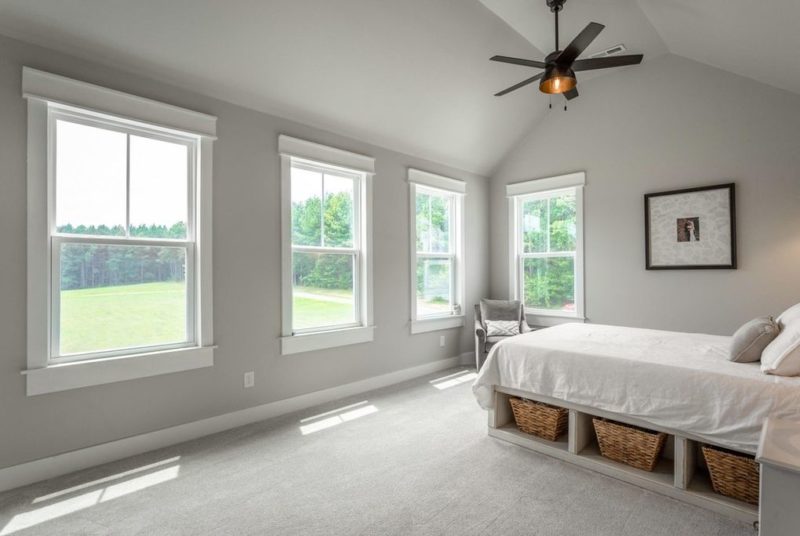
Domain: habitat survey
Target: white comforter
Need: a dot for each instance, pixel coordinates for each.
(676, 380)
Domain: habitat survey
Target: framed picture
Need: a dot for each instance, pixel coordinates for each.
(693, 228)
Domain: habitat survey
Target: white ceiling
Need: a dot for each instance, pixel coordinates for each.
(755, 39)
(410, 75)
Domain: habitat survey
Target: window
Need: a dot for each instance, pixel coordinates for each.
(327, 298)
(116, 214)
(123, 241)
(437, 251)
(547, 245)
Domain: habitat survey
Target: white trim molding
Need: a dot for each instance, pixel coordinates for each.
(435, 324)
(77, 374)
(51, 98)
(455, 191)
(39, 85)
(68, 462)
(311, 155)
(436, 181)
(559, 182)
(316, 152)
(543, 189)
(308, 342)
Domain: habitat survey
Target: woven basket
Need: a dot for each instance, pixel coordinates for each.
(543, 420)
(629, 445)
(733, 475)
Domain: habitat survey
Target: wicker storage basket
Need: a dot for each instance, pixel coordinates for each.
(629, 445)
(732, 474)
(543, 420)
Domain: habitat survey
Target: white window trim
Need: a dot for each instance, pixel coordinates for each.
(514, 192)
(292, 343)
(43, 90)
(429, 181)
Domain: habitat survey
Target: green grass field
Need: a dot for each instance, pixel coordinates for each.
(315, 307)
(106, 318)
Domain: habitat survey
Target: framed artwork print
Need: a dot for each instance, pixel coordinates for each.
(694, 228)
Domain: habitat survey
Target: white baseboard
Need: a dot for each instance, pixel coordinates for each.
(61, 464)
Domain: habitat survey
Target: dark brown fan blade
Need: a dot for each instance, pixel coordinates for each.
(605, 63)
(579, 44)
(571, 94)
(518, 61)
(521, 84)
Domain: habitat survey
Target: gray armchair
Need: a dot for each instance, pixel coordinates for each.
(495, 310)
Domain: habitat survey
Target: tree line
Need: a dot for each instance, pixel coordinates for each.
(101, 265)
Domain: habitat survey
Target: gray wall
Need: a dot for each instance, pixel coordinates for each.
(668, 124)
(246, 279)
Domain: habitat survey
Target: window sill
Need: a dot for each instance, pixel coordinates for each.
(555, 314)
(66, 376)
(435, 324)
(296, 344)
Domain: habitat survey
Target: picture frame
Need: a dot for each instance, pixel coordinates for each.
(691, 229)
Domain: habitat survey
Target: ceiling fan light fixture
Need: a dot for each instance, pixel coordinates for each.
(557, 79)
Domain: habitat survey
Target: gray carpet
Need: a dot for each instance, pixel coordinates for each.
(414, 459)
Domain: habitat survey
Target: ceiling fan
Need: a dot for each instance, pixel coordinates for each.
(560, 66)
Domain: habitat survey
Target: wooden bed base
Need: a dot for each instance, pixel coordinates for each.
(679, 474)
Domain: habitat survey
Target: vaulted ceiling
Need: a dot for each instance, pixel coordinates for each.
(410, 75)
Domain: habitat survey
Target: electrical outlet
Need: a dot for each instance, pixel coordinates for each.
(249, 379)
(441, 341)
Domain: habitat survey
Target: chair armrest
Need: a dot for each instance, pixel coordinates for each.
(479, 331)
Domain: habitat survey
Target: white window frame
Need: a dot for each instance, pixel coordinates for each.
(362, 169)
(423, 181)
(51, 97)
(517, 194)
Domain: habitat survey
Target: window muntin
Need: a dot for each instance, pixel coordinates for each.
(435, 252)
(122, 237)
(546, 250)
(326, 252)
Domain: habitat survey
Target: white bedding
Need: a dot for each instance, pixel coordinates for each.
(676, 380)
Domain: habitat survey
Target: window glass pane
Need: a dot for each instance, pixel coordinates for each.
(159, 188)
(322, 290)
(434, 279)
(423, 222)
(563, 222)
(534, 226)
(338, 211)
(91, 171)
(306, 207)
(549, 283)
(433, 223)
(116, 297)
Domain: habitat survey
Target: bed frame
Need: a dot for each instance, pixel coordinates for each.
(679, 474)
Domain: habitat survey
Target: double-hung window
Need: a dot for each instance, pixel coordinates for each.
(116, 213)
(546, 244)
(437, 207)
(327, 298)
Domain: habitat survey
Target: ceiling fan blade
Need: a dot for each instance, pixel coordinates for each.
(605, 63)
(571, 94)
(519, 61)
(521, 84)
(579, 44)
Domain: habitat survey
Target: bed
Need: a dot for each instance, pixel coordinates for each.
(680, 381)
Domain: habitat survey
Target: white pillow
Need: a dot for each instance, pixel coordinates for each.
(782, 356)
(502, 328)
(789, 316)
